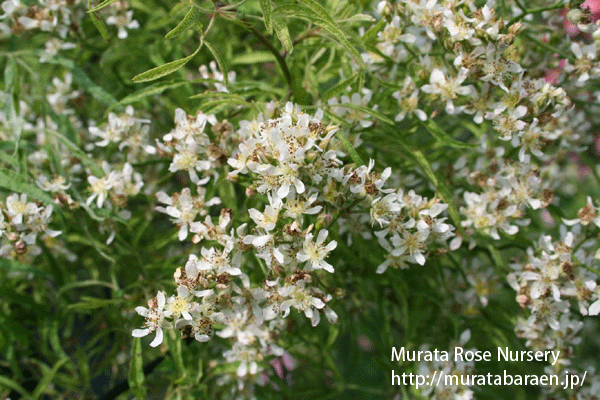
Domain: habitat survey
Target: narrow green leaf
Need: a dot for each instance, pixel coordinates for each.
(359, 18)
(151, 90)
(440, 187)
(15, 266)
(86, 283)
(191, 20)
(266, 8)
(10, 73)
(174, 343)
(371, 34)
(15, 183)
(301, 96)
(212, 107)
(433, 128)
(99, 23)
(340, 87)
(318, 9)
(257, 57)
(88, 303)
(9, 383)
(334, 331)
(11, 103)
(165, 69)
(476, 130)
(369, 111)
(78, 153)
(283, 33)
(136, 377)
(425, 166)
(102, 5)
(220, 61)
(316, 14)
(349, 148)
(47, 379)
(222, 95)
(55, 341)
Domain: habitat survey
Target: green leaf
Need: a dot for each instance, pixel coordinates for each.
(174, 343)
(266, 8)
(283, 33)
(9, 383)
(317, 9)
(220, 61)
(440, 187)
(47, 379)
(349, 148)
(213, 107)
(99, 23)
(222, 95)
(11, 103)
(88, 303)
(257, 57)
(359, 18)
(151, 90)
(338, 88)
(165, 69)
(80, 154)
(15, 266)
(102, 5)
(136, 377)
(301, 96)
(10, 73)
(369, 111)
(433, 128)
(191, 20)
(15, 183)
(315, 13)
(371, 34)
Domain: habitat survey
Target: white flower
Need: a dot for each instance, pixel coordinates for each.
(18, 208)
(58, 184)
(299, 297)
(409, 106)
(155, 316)
(447, 88)
(181, 304)
(123, 22)
(315, 252)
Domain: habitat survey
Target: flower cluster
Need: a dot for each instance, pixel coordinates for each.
(555, 276)
(507, 189)
(21, 222)
(444, 390)
(115, 185)
(127, 132)
(291, 162)
(60, 17)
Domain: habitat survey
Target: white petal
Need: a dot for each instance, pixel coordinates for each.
(594, 308)
(140, 332)
(158, 339)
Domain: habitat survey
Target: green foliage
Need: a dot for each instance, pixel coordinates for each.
(68, 310)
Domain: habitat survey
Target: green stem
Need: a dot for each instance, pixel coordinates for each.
(546, 46)
(559, 4)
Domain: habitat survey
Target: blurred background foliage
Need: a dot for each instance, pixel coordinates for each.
(65, 324)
